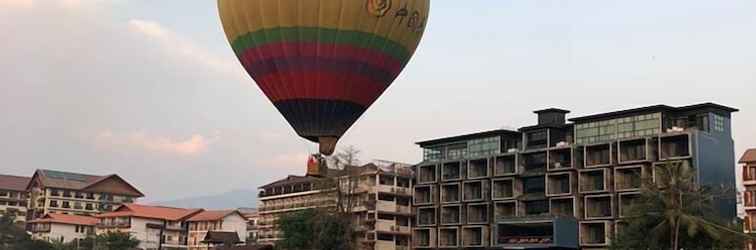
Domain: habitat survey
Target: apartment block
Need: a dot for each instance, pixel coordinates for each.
(13, 197)
(291, 194)
(748, 166)
(202, 226)
(62, 227)
(156, 227)
(563, 183)
(77, 194)
(380, 194)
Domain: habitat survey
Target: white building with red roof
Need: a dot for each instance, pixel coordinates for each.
(151, 225)
(218, 221)
(13, 196)
(62, 227)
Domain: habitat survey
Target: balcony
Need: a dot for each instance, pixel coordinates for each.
(563, 206)
(402, 191)
(475, 190)
(451, 193)
(629, 178)
(535, 140)
(749, 200)
(477, 168)
(426, 216)
(595, 233)
(448, 237)
(451, 171)
(560, 159)
(475, 236)
(598, 155)
(503, 189)
(559, 183)
(673, 147)
(749, 175)
(424, 238)
(424, 195)
(477, 213)
(594, 180)
(533, 164)
(634, 151)
(391, 227)
(535, 208)
(626, 203)
(536, 232)
(505, 165)
(451, 215)
(599, 206)
(426, 174)
(505, 209)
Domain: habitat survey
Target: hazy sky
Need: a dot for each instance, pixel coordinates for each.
(151, 91)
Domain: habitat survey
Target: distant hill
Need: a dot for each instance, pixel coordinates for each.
(228, 200)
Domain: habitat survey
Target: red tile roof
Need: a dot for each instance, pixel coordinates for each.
(213, 215)
(150, 212)
(67, 219)
(13, 183)
(748, 157)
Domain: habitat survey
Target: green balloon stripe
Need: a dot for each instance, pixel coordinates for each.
(310, 34)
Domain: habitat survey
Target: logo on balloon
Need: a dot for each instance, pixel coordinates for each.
(378, 8)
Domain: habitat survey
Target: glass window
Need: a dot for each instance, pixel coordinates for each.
(634, 126)
(719, 123)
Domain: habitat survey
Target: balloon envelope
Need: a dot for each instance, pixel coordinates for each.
(323, 62)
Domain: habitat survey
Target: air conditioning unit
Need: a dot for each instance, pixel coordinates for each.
(512, 150)
(562, 144)
(557, 164)
(676, 129)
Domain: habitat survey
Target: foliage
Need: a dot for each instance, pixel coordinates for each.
(674, 212)
(115, 241)
(315, 229)
(14, 237)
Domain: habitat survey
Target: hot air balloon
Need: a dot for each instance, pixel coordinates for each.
(323, 62)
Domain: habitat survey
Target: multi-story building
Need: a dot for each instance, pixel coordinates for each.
(381, 200)
(153, 226)
(208, 222)
(62, 227)
(562, 185)
(748, 161)
(13, 197)
(78, 194)
(379, 194)
(291, 194)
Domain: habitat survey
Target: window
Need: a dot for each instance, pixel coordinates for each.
(719, 123)
(626, 127)
(89, 206)
(54, 192)
(3, 193)
(53, 203)
(533, 185)
(66, 204)
(67, 193)
(537, 139)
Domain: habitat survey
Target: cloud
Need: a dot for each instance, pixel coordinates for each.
(16, 3)
(194, 145)
(184, 49)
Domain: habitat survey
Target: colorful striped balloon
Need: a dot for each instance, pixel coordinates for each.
(323, 62)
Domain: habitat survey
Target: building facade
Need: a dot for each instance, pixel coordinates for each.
(153, 226)
(13, 197)
(253, 218)
(62, 227)
(562, 185)
(382, 205)
(200, 224)
(748, 163)
(291, 194)
(78, 194)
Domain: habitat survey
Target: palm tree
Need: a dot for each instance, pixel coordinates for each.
(672, 201)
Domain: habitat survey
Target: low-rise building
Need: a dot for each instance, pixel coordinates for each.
(748, 161)
(62, 227)
(153, 226)
(253, 218)
(220, 222)
(79, 194)
(13, 197)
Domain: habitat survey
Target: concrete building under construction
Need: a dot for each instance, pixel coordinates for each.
(560, 184)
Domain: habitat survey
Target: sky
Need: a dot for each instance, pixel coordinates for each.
(151, 91)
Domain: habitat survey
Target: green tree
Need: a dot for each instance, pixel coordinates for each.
(14, 237)
(675, 212)
(115, 241)
(315, 229)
